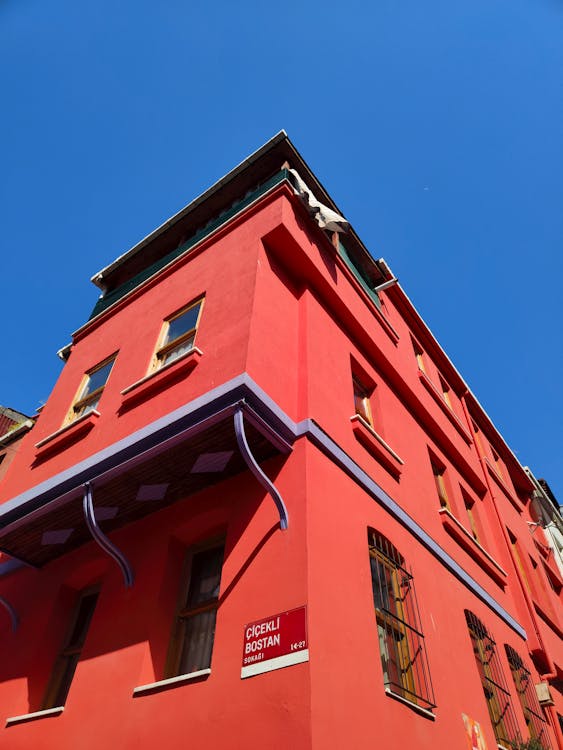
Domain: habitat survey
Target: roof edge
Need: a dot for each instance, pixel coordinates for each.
(98, 277)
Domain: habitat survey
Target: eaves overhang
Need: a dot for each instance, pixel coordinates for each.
(211, 209)
(173, 457)
(271, 432)
(254, 169)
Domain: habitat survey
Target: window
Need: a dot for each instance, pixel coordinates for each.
(362, 400)
(478, 438)
(497, 462)
(526, 690)
(66, 663)
(439, 479)
(553, 580)
(178, 334)
(493, 682)
(445, 392)
(519, 561)
(419, 354)
(473, 518)
(401, 642)
(194, 628)
(91, 390)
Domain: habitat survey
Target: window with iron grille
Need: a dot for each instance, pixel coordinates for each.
(194, 628)
(494, 684)
(526, 690)
(401, 641)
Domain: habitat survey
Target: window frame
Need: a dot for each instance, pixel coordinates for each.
(165, 348)
(405, 670)
(525, 688)
(81, 402)
(446, 389)
(420, 355)
(497, 695)
(474, 517)
(184, 612)
(57, 691)
(440, 483)
(497, 462)
(363, 395)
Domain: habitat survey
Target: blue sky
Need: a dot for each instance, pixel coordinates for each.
(437, 127)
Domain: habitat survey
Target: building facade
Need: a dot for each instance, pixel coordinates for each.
(13, 426)
(261, 508)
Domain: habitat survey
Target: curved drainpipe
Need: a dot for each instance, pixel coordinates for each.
(256, 470)
(102, 540)
(11, 611)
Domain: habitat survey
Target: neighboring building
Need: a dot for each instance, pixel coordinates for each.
(13, 426)
(262, 509)
(547, 512)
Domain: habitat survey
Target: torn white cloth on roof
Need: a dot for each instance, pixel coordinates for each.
(325, 217)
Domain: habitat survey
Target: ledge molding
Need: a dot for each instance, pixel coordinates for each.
(67, 434)
(501, 484)
(377, 446)
(159, 379)
(419, 709)
(458, 531)
(35, 715)
(439, 399)
(170, 682)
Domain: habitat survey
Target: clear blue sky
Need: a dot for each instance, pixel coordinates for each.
(436, 126)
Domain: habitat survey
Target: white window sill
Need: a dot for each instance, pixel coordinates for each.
(448, 411)
(376, 445)
(456, 530)
(170, 682)
(69, 432)
(35, 715)
(424, 711)
(160, 378)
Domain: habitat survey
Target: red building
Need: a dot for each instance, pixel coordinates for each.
(262, 509)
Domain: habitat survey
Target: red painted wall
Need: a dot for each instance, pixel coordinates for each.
(282, 307)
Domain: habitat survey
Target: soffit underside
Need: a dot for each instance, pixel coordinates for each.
(196, 463)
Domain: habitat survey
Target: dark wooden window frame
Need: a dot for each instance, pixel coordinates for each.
(68, 658)
(184, 612)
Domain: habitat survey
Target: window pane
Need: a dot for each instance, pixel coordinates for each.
(441, 487)
(383, 586)
(361, 400)
(177, 352)
(182, 324)
(205, 576)
(67, 667)
(97, 379)
(198, 634)
(87, 408)
(85, 612)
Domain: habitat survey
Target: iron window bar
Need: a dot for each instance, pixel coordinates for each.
(522, 677)
(401, 639)
(495, 688)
